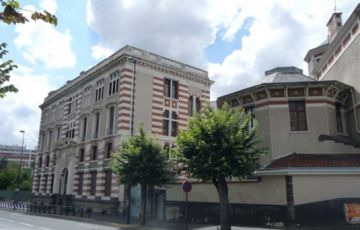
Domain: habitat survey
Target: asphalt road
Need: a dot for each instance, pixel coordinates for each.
(19, 221)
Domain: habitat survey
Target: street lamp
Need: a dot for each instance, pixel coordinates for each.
(19, 170)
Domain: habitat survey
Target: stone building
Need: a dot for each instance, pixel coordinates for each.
(310, 127)
(14, 153)
(86, 119)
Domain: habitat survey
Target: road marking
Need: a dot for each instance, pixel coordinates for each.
(8, 220)
(15, 214)
(43, 228)
(26, 224)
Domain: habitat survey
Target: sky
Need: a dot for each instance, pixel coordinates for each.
(235, 40)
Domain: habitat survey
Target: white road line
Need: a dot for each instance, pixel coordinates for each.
(26, 224)
(43, 228)
(7, 220)
(15, 214)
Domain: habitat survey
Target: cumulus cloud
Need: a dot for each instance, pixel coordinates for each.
(41, 42)
(280, 35)
(21, 110)
(176, 29)
(99, 52)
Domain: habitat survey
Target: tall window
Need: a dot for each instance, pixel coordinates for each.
(82, 155)
(86, 97)
(297, 116)
(339, 124)
(99, 91)
(81, 181)
(111, 120)
(42, 141)
(83, 136)
(97, 123)
(47, 161)
(108, 178)
(171, 88)
(197, 105)
(94, 153)
(93, 183)
(170, 124)
(250, 110)
(40, 162)
(58, 133)
(50, 137)
(108, 149)
(190, 105)
(114, 83)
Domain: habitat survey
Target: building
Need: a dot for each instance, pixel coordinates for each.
(86, 119)
(14, 153)
(310, 126)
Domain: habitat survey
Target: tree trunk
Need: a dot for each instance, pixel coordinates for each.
(142, 216)
(222, 188)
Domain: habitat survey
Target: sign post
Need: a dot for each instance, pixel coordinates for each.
(186, 188)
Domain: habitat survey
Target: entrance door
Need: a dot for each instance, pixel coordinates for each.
(160, 205)
(135, 201)
(63, 182)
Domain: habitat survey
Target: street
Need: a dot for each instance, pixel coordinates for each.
(18, 221)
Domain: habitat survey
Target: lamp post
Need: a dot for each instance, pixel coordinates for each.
(19, 169)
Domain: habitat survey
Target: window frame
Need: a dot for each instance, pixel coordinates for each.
(295, 113)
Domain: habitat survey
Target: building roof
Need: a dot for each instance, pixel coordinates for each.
(284, 75)
(300, 160)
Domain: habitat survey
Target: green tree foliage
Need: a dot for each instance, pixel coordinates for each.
(140, 160)
(11, 13)
(220, 144)
(9, 177)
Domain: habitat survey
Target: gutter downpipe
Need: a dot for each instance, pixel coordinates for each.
(131, 128)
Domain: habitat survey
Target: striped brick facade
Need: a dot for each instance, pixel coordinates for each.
(134, 77)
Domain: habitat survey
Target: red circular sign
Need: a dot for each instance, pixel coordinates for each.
(186, 186)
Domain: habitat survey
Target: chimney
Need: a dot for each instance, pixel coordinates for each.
(334, 25)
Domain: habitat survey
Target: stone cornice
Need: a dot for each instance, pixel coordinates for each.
(126, 55)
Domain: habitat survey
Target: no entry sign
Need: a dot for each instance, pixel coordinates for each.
(186, 186)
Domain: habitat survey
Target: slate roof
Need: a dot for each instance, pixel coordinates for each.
(283, 75)
(300, 160)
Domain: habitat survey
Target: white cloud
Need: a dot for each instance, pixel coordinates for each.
(41, 42)
(99, 52)
(49, 5)
(20, 111)
(280, 35)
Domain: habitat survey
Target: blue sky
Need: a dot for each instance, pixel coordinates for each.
(235, 40)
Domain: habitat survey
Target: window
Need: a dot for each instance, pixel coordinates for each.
(114, 83)
(108, 150)
(297, 116)
(197, 105)
(171, 88)
(58, 133)
(50, 137)
(86, 97)
(170, 124)
(40, 162)
(81, 181)
(81, 155)
(93, 183)
(108, 178)
(250, 110)
(190, 106)
(94, 153)
(83, 136)
(99, 92)
(339, 124)
(42, 141)
(111, 120)
(47, 161)
(97, 123)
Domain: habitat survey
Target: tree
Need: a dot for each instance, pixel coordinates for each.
(9, 177)
(12, 14)
(140, 160)
(217, 145)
